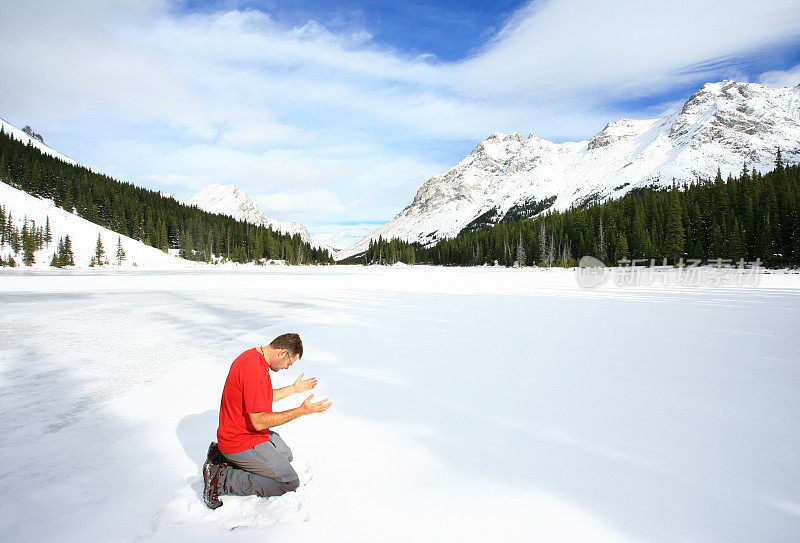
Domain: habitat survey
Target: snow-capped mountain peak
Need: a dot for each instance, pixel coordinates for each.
(344, 237)
(721, 126)
(233, 201)
(620, 130)
(228, 200)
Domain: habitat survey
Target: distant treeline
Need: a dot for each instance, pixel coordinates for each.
(146, 215)
(752, 216)
(383, 251)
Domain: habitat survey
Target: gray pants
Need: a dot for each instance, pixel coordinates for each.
(265, 470)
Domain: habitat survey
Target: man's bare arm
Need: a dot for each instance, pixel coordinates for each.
(281, 393)
(299, 385)
(262, 421)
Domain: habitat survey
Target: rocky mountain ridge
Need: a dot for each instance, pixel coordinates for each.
(723, 125)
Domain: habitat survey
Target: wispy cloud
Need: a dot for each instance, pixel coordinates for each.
(288, 203)
(781, 78)
(326, 124)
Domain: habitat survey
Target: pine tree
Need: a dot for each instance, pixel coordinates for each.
(15, 240)
(675, 233)
(28, 244)
(186, 250)
(162, 236)
(99, 253)
(120, 251)
(602, 249)
(621, 247)
(58, 255)
(210, 247)
(9, 236)
(38, 236)
(69, 258)
(542, 244)
(566, 255)
(506, 251)
(48, 234)
(737, 251)
(640, 245)
(520, 251)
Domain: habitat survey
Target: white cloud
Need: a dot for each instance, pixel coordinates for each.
(253, 128)
(234, 97)
(287, 204)
(625, 45)
(332, 228)
(781, 78)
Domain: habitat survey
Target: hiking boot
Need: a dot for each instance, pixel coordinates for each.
(211, 478)
(215, 455)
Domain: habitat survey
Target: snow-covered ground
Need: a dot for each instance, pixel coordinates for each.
(468, 405)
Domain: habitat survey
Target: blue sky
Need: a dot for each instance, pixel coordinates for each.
(334, 113)
(449, 30)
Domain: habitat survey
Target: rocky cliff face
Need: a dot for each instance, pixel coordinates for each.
(28, 130)
(723, 125)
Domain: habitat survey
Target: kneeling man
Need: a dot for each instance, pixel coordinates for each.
(250, 457)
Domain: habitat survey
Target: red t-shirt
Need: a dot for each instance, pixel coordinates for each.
(248, 389)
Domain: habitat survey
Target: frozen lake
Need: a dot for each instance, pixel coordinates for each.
(468, 405)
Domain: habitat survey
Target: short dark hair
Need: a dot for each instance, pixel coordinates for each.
(290, 342)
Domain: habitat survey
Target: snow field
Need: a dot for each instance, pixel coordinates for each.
(468, 405)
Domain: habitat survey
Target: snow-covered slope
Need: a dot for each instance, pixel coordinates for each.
(82, 233)
(232, 201)
(344, 237)
(19, 135)
(723, 125)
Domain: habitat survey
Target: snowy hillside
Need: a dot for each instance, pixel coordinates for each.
(723, 125)
(19, 135)
(82, 233)
(232, 201)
